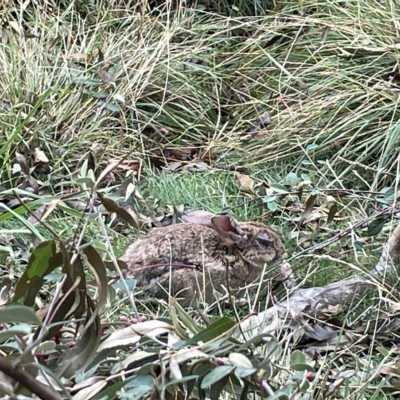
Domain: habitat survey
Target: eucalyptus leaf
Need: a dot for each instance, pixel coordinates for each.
(215, 375)
(17, 314)
(376, 226)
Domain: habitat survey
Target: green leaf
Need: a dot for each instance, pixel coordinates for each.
(384, 351)
(29, 287)
(302, 367)
(75, 359)
(216, 375)
(40, 259)
(376, 226)
(242, 372)
(268, 199)
(18, 314)
(297, 357)
(279, 188)
(311, 146)
(17, 330)
(214, 330)
(391, 193)
(110, 106)
(96, 263)
(180, 381)
(112, 206)
(271, 206)
(291, 179)
(16, 214)
(136, 386)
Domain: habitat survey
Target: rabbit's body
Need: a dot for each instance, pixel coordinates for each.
(196, 258)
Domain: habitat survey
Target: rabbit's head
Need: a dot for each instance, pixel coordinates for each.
(256, 243)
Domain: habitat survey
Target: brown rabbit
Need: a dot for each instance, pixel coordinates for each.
(195, 257)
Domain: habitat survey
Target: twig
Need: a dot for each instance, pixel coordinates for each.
(28, 381)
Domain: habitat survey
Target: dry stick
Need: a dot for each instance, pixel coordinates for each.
(28, 381)
(345, 232)
(177, 265)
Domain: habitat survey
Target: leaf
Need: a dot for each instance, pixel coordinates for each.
(297, 357)
(186, 354)
(16, 27)
(332, 212)
(5, 289)
(18, 314)
(240, 360)
(242, 372)
(279, 188)
(21, 160)
(180, 381)
(112, 206)
(98, 267)
(16, 214)
(376, 226)
(216, 375)
(16, 330)
(245, 182)
(268, 199)
(91, 391)
(79, 57)
(311, 146)
(218, 387)
(291, 179)
(134, 387)
(186, 320)
(127, 165)
(177, 323)
(75, 359)
(302, 367)
(214, 330)
(40, 259)
(308, 208)
(272, 206)
(132, 334)
(119, 98)
(29, 287)
(106, 76)
(110, 106)
(133, 360)
(390, 194)
(39, 157)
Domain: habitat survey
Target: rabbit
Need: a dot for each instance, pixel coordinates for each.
(195, 256)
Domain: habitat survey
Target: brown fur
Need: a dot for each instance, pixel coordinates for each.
(242, 247)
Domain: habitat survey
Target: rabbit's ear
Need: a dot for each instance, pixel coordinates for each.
(198, 217)
(226, 226)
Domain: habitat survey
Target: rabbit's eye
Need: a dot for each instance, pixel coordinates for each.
(264, 242)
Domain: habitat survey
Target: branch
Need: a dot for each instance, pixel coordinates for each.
(318, 300)
(28, 381)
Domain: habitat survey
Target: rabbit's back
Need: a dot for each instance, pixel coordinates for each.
(184, 243)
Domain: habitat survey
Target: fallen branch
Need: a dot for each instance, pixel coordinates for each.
(318, 301)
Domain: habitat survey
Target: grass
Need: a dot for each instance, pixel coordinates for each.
(109, 83)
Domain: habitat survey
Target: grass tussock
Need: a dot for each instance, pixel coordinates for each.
(328, 81)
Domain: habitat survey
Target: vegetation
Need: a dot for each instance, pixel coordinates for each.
(118, 115)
